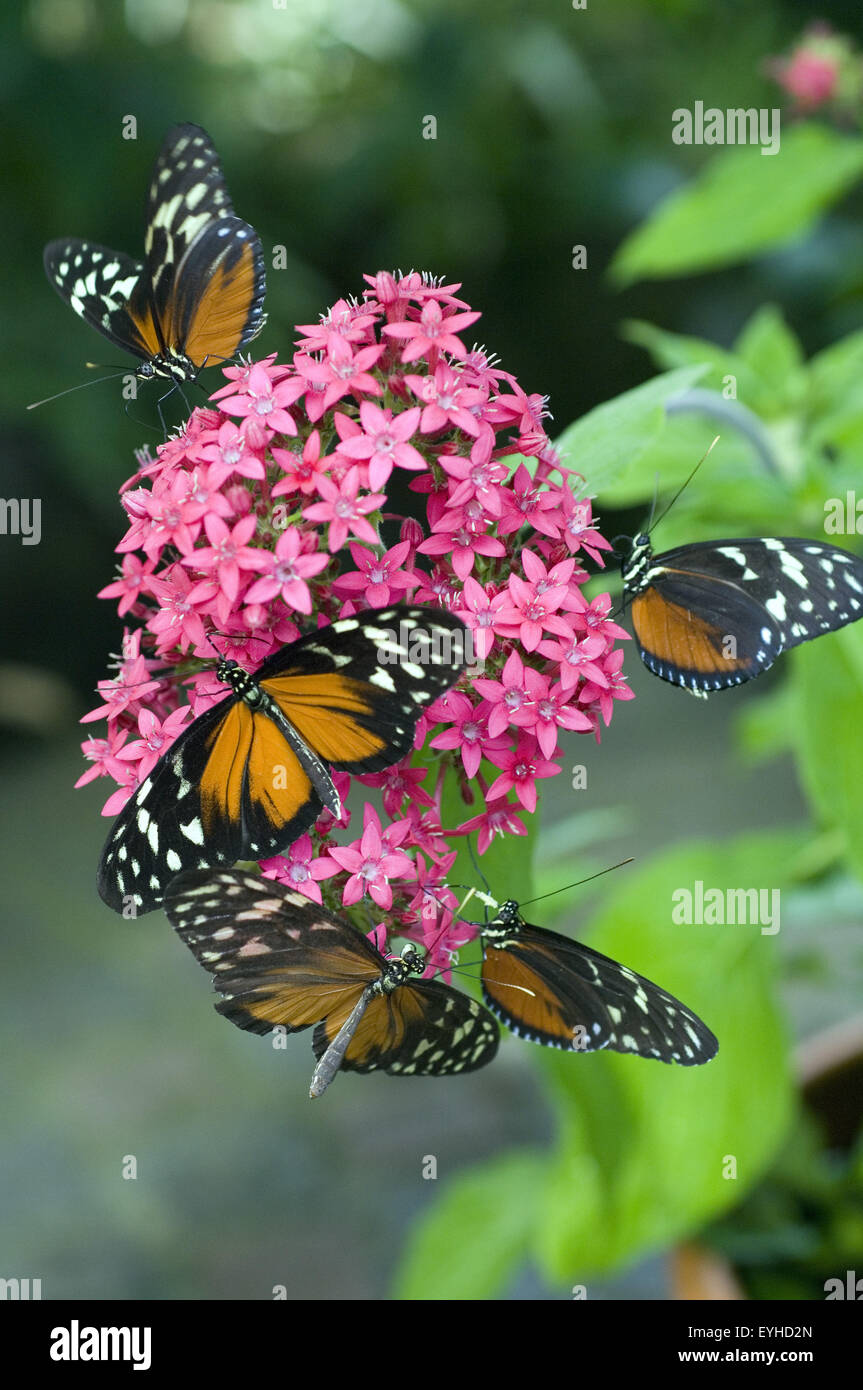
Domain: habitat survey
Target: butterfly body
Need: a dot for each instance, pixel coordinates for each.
(279, 960)
(714, 614)
(248, 776)
(551, 990)
(197, 297)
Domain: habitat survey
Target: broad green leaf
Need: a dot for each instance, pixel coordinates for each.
(741, 204)
(606, 441)
(476, 1234)
(730, 489)
(829, 749)
(670, 350)
(765, 727)
(642, 1148)
(769, 348)
(835, 400)
(834, 372)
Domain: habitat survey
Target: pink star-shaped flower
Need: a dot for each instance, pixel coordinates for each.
(448, 401)
(521, 767)
(228, 453)
(299, 869)
(345, 510)
(384, 442)
(535, 601)
(227, 558)
(267, 401)
(340, 372)
(371, 864)
(480, 611)
(136, 580)
(507, 697)
(435, 332)
(500, 817)
(156, 738)
(468, 731)
(379, 578)
(528, 504)
(289, 568)
(303, 467)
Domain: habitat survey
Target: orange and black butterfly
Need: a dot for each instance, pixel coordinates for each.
(197, 298)
(557, 992)
(250, 775)
(279, 960)
(717, 613)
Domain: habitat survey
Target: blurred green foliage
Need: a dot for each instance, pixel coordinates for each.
(746, 201)
(802, 1226)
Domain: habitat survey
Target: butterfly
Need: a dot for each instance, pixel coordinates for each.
(280, 960)
(251, 774)
(558, 992)
(197, 297)
(717, 613)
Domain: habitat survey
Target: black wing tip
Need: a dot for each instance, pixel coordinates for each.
(241, 1018)
(121, 903)
(184, 128)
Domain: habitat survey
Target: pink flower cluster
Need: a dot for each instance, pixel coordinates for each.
(264, 516)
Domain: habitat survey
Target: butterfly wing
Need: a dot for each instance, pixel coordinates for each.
(160, 830)
(205, 265)
(559, 993)
(355, 690)
(230, 787)
(422, 1028)
(199, 293)
(244, 783)
(703, 633)
(276, 958)
(715, 614)
(106, 289)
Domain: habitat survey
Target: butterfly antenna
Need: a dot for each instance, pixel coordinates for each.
(649, 525)
(685, 485)
(578, 882)
(80, 387)
(475, 863)
(145, 424)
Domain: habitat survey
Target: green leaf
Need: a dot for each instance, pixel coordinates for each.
(829, 675)
(610, 438)
(765, 727)
(741, 204)
(643, 1146)
(835, 399)
(834, 372)
(730, 489)
(670, 350)
(768, 346)
(477, 1233)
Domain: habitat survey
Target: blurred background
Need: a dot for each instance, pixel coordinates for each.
(553, 130)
